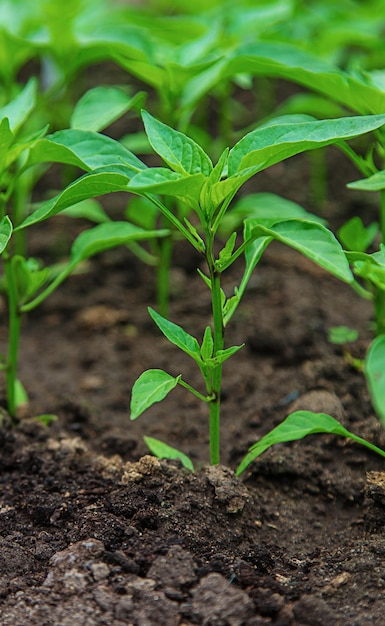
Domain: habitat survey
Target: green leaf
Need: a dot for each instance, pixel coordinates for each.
(376, 182)
(277, 141)
(181, 153)
(340, 335)
(88, 186)
(297, 426)
(177, 335)
(207, 344)
(101, 106)
(290, 62)
(88, 209)
(6, 229)
(106, 236)
(18, 110)
(222, 355)
(29, 276)
(164, 451)
(355, 236)
(226, 253)
(312, 239)
(84, 149)
(263, 206)
(152, 386)
(161, 180)
(375, 374)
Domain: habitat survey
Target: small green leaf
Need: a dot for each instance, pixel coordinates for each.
(226, 252)
(297, 426)
(18, 110)
(152, 386)
(355, 236)
(207, 344)
(222, 355)
(89, 209)
(375, 374)
(177, 335)
(164, 451)
(180, 152)
(101, 106)
(376, 182)
(340, 335)
(5, 232)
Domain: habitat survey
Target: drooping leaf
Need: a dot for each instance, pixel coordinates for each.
(297, 426)
(312, 239)
(164, 451)
(177, 335)
(151, 386)
(180, 152)
(277, 141)
(89, 209)
(6, 229)
(108, 235)
(88, 186)
(375, 374)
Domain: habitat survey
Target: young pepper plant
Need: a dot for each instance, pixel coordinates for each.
(27, 282)
(191, 177)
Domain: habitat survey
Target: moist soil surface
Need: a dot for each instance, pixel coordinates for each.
(94, 532)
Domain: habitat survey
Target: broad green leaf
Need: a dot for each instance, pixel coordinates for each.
(283, 60)
(142, 211)
(297, 426)
(181, 153)
(84, 149)
(264, 206)
(151, 386)
(161, 180)
(312, 239)
(177, 335)
(164, 451)
(18, 110)
(355, 236)
(372, 183)
(150, 74)
(106, 236)
(101, 106)
(375, 374)
(277, 141)
(6, 229)
(88, 186)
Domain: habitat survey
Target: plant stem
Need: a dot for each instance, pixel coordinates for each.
(214, 384)
(163, 274)
(14, 325)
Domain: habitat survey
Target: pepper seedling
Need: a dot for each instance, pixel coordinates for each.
(191, 177)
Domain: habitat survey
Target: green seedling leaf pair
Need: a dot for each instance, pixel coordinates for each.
(191, 177)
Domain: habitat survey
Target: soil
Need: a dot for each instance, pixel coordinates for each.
(94, 532)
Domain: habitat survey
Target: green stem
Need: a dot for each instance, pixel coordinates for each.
(214, 383)
(14, 325)
(163, 274)
(194, 391)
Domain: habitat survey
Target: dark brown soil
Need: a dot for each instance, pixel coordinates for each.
(94, 533)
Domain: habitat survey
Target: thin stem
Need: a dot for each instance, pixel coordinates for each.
(14, 325)
(163, 274)
(194, 391)
(214, 383)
